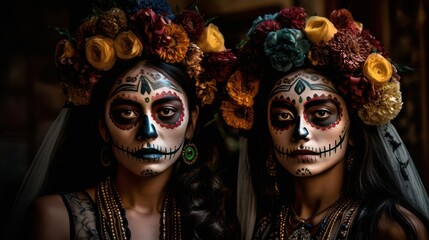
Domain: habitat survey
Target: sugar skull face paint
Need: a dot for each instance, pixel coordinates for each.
(308, 122)
(147, 117)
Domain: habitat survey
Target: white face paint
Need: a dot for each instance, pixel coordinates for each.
(308, 122)
(147, 117)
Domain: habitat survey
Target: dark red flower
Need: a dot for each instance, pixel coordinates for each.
(193, 23)
(349, 50)
(219, 65)
(261, 31)
(293, 17)
(376, 45)
(357, 90)
(343, 19)
(150, 28)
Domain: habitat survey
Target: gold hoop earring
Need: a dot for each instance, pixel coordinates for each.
(190, 153)
(105, 160)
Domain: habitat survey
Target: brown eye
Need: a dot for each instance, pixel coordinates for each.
(124, 113)
(322, 112)
(282, 114)
(166, 112)
(128, 114)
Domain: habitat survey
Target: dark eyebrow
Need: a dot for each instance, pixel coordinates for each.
(280, 103)
(125, 102)
(166, 99)
(320, 102)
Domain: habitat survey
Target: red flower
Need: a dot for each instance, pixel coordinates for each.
(263, 29)
(349, 50)
(343, 19)
(150, 27)
(219, 65)
(293, 17)
(193, 23)
(377, 45)
(357, 89)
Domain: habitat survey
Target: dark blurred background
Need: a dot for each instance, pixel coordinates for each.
(30, 97)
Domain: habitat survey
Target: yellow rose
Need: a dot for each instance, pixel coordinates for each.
(100, 52)
(211, 40)
(319, 29)
(377, 69)
(127, 45)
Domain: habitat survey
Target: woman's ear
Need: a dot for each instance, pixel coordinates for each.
(192, 123)
(103, 130)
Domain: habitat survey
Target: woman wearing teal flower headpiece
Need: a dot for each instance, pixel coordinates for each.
(319, 158)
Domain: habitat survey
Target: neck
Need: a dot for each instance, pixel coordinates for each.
(315, 193)
(142, 194)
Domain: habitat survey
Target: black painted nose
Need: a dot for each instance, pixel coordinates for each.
(147, 130)
(299, 132)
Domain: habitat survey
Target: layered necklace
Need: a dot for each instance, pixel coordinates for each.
(114, 224)
(301, 227)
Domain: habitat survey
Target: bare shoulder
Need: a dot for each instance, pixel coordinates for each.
(390, 229)
(51, 220)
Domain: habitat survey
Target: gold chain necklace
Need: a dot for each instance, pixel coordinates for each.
(114, 224)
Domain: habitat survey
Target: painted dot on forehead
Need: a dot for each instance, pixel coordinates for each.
(146, 99)
(314, 77)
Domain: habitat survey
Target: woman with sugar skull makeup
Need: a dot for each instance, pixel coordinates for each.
(331, 165)
(121, 161)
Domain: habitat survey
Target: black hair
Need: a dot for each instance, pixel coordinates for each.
(370, 180)
(198, 189)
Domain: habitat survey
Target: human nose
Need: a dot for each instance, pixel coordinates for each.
(147, 130)
(300, 132)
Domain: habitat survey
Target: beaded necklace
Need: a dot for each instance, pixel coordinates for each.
(343, 207)
(113, 221)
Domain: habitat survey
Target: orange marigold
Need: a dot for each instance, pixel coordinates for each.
(242, 91)
(236, 116)
(206, 92)
(179, 42)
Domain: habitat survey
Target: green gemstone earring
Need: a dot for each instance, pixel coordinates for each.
(190, 153)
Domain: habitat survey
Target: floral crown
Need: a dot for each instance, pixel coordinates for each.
(288, 39)
(119, 35)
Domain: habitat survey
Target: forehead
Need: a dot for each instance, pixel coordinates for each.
(302, 81)
(145, 80)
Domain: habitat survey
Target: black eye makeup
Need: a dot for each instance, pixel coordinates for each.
(322, 112)
(168, 111)
(282, 114)
(125, 114)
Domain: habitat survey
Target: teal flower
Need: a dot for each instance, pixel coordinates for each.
(286, 48)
